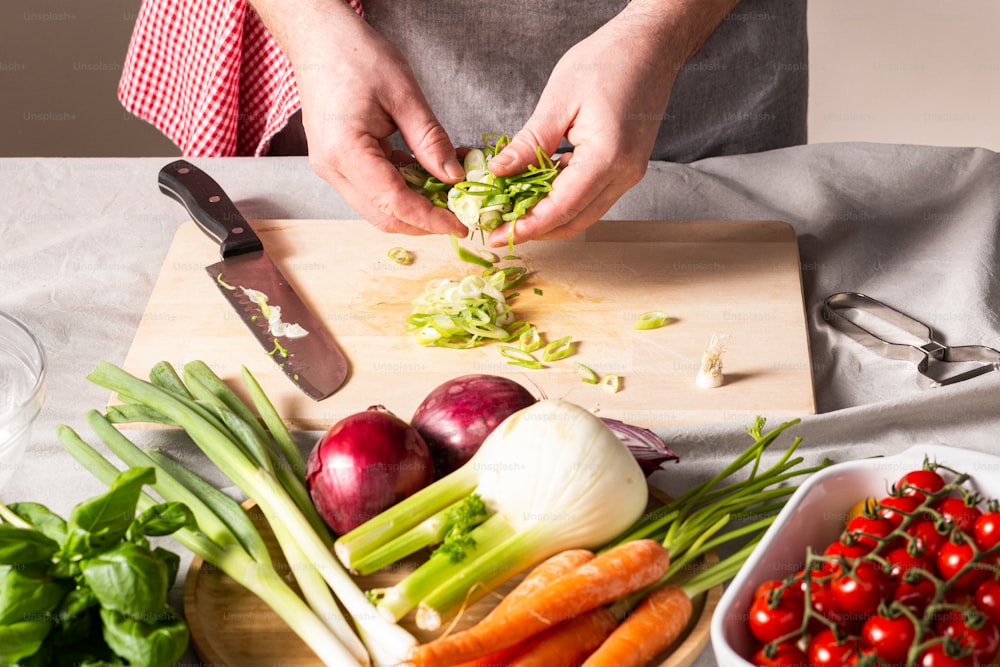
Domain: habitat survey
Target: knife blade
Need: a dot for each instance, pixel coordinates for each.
(280, 321)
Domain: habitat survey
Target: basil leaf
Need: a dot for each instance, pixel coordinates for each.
(129, 579)
(24, 546)
(75, 605)
(25, 598)
(159, 643)
(162, 519)
(103, 520)
(173, 563)
(21, 640)
(46, 521)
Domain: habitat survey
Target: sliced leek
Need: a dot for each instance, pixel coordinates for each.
(651, 319)
(400, 255)
(484, 201)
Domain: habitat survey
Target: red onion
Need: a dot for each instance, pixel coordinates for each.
(648, 448)
(364, 464)
(456, 416)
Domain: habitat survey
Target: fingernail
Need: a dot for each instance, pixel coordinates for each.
(502, 161)
(454, 169)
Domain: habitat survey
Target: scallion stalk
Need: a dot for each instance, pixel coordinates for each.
(274, 493)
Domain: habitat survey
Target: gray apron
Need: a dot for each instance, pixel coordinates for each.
(482, 66)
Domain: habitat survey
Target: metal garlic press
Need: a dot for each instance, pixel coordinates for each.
(894, 335)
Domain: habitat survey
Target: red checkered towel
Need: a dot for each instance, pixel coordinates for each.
(209, 76)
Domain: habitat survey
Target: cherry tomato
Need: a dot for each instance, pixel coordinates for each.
(959, 513)
(916, 594)
(888, 638)
(987, 600)
(918, 483)
(821, 599)
(896, 508)
(986, 530)
(928, 538)
(937, 655)
(825, 650)
(866, 506)
(867, 531)
(849, 551)
(978, 634)
(769, 621)
(784, 655)
(858, 592)
(765, 587)
(900, 561)
(952, 558)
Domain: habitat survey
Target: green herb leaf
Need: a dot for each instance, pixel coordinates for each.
(159, 520)
(102, 521)
(158, 642)
(44, 520)
(29, 597)
(129, 579)
(21, 546)
(21, 640)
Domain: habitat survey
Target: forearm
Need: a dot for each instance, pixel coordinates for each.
(679, 27)
(305, 26)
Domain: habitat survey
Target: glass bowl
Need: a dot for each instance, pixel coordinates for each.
(22, 389)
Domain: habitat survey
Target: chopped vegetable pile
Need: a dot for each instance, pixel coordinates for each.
(483, 201)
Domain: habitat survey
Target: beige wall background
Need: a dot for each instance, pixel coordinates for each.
(901, 71)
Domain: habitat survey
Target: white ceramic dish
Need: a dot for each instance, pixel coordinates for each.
(814, 516)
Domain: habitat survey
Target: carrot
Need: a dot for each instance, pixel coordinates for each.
(569, 643)
(624, 569)
(541, 576)
(537, 578)
(648, 631)
(499, 658)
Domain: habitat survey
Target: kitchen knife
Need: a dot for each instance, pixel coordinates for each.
(285, 327)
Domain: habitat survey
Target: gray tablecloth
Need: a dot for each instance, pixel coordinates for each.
(82, 240)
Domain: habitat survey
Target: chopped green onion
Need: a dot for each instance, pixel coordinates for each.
(587, 374)
(223, 283)
(558, 349)
(487, 259)
(529, 340)
(538, 291)
(484, 201)
(519, 357)
(651, 319)
(400, 255)
(611, 383)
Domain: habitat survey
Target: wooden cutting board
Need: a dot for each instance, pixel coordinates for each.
(741, 279)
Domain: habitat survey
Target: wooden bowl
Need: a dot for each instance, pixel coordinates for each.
(232, 627)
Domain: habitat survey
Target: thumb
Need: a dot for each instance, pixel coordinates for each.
(521, 151)
(430, 143)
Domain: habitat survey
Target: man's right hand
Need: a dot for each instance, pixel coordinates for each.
(356, 90)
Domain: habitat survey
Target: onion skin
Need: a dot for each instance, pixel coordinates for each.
(457, 415)
(364, 464)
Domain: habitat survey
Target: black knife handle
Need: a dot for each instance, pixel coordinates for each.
(209, 206)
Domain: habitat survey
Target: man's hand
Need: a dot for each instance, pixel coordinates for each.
(607, 96)
(356, 90)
